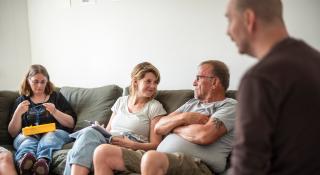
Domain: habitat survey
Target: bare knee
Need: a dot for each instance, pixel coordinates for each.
(108, 155)
(6, 164)
(154, 161)
(6, 157)
(102, 153)
(150, 157)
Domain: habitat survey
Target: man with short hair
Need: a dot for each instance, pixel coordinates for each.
(200, 133)
(277, 118)
(6, 162)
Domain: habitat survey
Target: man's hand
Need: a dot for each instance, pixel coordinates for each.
(195, 118)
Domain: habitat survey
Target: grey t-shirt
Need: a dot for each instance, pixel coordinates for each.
(215, 154)
(137, 123)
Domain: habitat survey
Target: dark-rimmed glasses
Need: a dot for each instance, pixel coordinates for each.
(198, 77)
(43, 82)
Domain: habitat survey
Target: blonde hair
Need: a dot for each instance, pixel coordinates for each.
(25, 88)
(138, 73)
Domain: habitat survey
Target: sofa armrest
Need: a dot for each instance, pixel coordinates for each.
(7, 99)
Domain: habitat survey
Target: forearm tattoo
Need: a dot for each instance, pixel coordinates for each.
(217, 123)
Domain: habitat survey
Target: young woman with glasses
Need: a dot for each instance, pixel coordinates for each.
(39, 104)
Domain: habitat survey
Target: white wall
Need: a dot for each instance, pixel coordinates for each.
(94, 45)
(15, 54)
(303, 20)
(99, 44)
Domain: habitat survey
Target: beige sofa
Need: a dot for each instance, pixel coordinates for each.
(89, 104)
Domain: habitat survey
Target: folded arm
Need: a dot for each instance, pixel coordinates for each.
(202, 134)
(168, 123)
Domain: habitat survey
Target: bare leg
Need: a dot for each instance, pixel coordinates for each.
(154, 163)
(6, 164)
(107, 158)
(79, 170)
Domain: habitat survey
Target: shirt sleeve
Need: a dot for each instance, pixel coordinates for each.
(184, 107)
(14, 107)
(254, 127)
(16, 103)
(116, 105)
(227, 113)
(64, 106)
(156, 109)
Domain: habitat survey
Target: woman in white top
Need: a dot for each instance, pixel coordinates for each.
(131, 124)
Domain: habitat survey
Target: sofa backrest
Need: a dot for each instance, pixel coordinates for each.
(173, 99)
(92, 103)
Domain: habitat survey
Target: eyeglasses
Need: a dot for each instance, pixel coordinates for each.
(38, 82)
(198, 77)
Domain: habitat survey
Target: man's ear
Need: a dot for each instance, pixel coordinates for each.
(216, 82)
(250, 19)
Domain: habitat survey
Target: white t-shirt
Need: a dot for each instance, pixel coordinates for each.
(137, 123)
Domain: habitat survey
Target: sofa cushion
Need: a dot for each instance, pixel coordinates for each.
(173, 99)
(7, 99)
(59, 161)
(92, 103)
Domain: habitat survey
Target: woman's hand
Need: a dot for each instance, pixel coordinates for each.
(122, 141)
(23, 107)
(50, 107)
(63, 118)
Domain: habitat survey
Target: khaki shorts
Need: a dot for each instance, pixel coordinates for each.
(132, 160)
(178, 163)
(186, 165)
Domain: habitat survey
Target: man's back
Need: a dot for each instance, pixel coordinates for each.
(279, 99)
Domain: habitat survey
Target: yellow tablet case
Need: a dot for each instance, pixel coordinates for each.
(31, 130)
